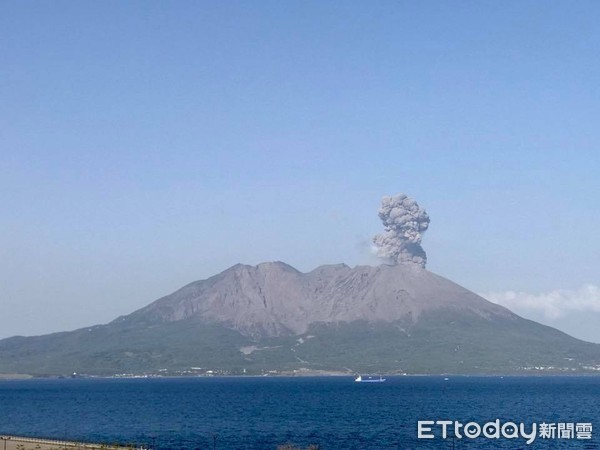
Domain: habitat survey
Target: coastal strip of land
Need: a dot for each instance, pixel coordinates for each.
(28, 443)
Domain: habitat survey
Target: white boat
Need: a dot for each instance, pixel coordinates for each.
(369, 379)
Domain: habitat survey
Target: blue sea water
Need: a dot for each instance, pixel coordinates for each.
(261, 413)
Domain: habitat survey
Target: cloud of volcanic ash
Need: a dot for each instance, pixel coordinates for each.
(404, 222)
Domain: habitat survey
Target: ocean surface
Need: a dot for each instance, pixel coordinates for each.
(262, 413)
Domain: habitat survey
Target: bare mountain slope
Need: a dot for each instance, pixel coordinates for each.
(272, 299)
(271, 317)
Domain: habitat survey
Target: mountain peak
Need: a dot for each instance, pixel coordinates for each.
(274, 298)
(394, 319)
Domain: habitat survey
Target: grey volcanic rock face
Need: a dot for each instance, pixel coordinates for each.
(272, 318)
(274, 299)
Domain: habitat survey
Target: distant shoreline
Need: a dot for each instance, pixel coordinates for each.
(27, 377)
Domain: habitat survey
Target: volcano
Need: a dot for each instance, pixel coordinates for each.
(274, 319)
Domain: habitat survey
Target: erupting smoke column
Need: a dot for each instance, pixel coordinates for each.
(404, 222)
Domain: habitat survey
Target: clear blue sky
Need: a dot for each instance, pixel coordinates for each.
(148, 144)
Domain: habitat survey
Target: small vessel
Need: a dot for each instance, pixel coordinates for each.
(369, 379)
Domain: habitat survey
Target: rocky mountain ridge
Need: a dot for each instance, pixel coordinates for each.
(271, 318)
(273, 299)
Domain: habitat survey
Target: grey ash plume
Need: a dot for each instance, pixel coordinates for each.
(404, 222)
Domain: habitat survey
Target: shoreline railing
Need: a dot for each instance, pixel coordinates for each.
(60, 444)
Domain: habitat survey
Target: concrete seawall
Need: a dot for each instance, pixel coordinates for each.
(27, 443)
